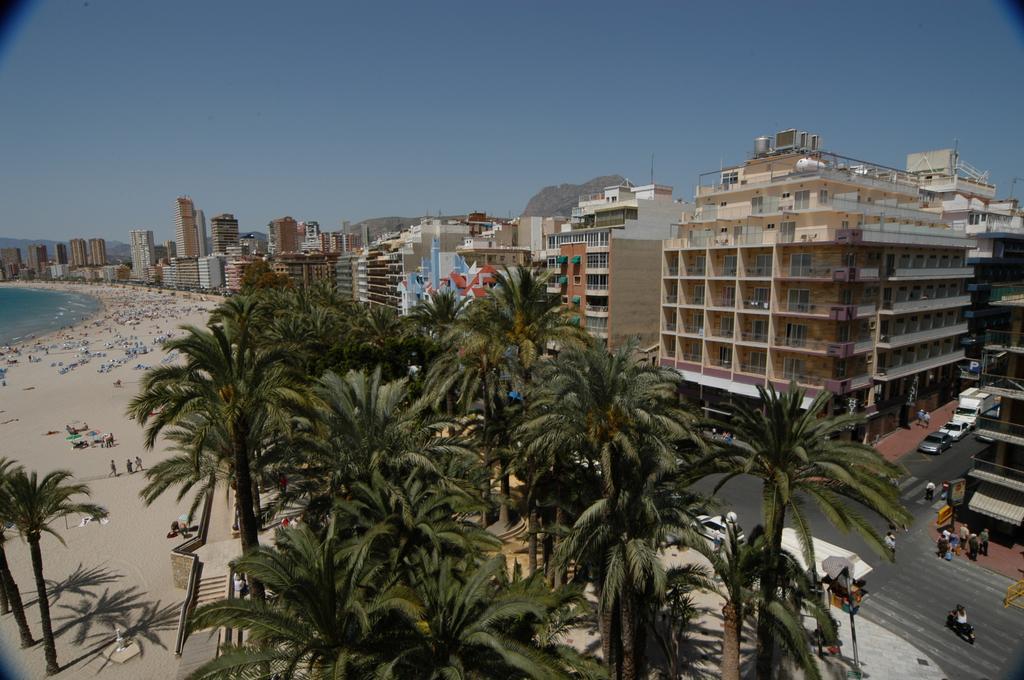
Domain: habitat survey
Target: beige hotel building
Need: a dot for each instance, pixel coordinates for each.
(801, 265)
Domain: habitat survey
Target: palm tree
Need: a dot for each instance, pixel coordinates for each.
(364, 426)
(331, 616)
(436, 315)
(800, 454)
(468, 625)
(11, 594)
(232, 383)
(399, 524)
(34, 503)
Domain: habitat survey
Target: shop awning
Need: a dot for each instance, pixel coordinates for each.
(1000, 502)
(563, 279)
(575, 259)
(562, 259)
(575, 299)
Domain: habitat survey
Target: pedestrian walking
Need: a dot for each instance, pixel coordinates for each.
(138, 462)
(929, 491)
(983, 541)
(943, 546)
(965, 533)
(890, 543)
(113, 469)
(927, 419)
(972, 547)
(954, 544)
(128, 464)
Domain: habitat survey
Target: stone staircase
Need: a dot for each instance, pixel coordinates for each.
(211, 589)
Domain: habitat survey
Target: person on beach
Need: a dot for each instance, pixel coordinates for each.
(113, 469)
(138, 462)
(128, 464)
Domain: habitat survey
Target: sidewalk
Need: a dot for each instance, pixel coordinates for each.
(1005, 560)
(883, 654)
(905, 440)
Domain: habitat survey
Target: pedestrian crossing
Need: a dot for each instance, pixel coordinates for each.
(918, 592)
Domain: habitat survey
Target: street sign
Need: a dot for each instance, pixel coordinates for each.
(957, 489)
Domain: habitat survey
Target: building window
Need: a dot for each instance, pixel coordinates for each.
(792, 368)
(823, 197)
(802, 200)
(725, 357)
(576, 280)
(800, 264)
(730, 177)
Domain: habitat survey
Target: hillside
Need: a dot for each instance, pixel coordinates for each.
(560, 200)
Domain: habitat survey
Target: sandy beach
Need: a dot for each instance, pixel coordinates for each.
(109, 574)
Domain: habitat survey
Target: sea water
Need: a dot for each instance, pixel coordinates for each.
(27, 312)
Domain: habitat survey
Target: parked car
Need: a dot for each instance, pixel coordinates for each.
(936, 442)
(956, 429)
(707, 526)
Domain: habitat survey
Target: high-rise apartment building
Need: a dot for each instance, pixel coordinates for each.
(79, 252)
(190, 229)
(10, 259)
(282, 236)
(311, 236)
(62, 254)
(211, 271)
(253, 243)
(968, 203)
(604, 262)
(171, 248)
(37, 258)
(809, 267)
(223, 232)
(1000, 467)
(143, 252)
(97, 252)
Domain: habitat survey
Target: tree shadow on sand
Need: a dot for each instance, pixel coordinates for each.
(80, 581)
(93, 618)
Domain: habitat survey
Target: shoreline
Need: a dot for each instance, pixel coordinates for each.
(56, 287)
(117, 572)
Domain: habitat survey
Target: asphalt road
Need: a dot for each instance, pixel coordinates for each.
(912, 596)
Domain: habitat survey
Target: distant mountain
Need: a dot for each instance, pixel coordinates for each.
(116, 250)
(561, 199)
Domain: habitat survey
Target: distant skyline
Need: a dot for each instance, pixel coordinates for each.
(343, 111)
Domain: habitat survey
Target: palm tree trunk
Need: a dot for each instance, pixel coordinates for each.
(49, 646)
(559, 523)
(632, 654)
(506, 492)
(610, 641)
(769, 589)
(731, 642)
(248, 525)
(5, 606)
(14, 598)
(532, 529)
(257, 505)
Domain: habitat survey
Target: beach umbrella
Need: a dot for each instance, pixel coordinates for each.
(184, 518)
(72, 436)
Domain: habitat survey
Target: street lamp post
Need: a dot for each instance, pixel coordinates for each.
(848, 584)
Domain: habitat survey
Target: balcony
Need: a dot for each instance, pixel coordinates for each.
(691, 358)
(669, 327)
(806, 308)
(843, 204)
(753, 369)
(1001, 430)
(671, 271)
(990, 471)
(1004, 340)
(671, 299)
(692, 301)
(598, 288)
(597, 309)
(1003, 385)
(802, 344)
(723, 303)
(756, 305)
(753, 338)
(926, 304)
(693, 329)
(817, 272)
(758, 272)
(724, 272)
(722, 333)
(912, 273)
(899, 339)
(721, 363)
(904, 369)
(803, 379)
(694, 273)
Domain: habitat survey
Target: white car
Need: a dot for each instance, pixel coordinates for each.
(956, 429)
(707, 526)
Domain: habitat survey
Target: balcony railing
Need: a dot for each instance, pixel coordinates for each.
(756, 304)
(671, 271)
(692, 358)
(808, 272)
(756, 369)
(930, 273)
(671, 299)
(904, 368)
(721, 363)
(693, 329)
(759, 271)
(754, 337)
(1001, 430)
(802, 343)
(1004, 340)
(597, 308)
(695, 271)
(722, 333)
(924, 304)
(670, 327)
(803, 378)
(841, 203)
(597, 286)
(693, 301)
(806, 308)
(900, 338)
(990, 469)
(729, 303)
(725, 271)
(1003, 385)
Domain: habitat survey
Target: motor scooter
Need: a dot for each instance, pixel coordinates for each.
(964, 630)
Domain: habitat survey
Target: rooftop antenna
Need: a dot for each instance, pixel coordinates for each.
(1013, 184)
(652, 168)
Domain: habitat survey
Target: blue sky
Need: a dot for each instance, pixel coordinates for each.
(331, 111)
